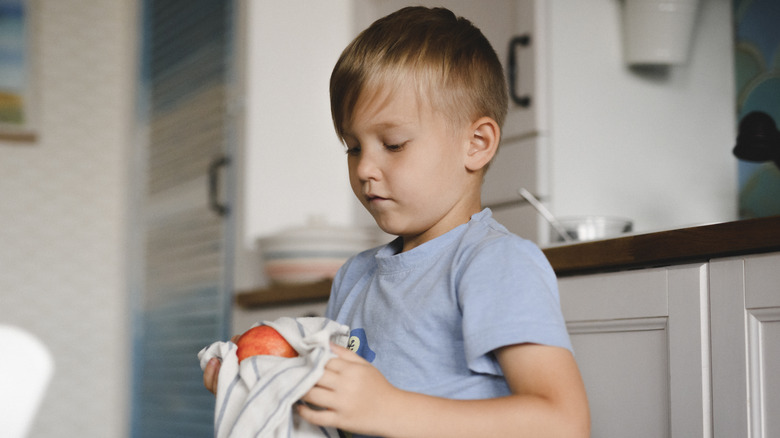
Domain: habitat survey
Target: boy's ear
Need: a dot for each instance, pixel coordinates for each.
(483, 144)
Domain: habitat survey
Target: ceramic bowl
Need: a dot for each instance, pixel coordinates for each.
(311, 253)
(585, 228)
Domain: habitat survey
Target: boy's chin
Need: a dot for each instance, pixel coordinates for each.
(386, 229)
(386, 226)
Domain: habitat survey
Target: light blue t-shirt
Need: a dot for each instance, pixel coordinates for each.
(430, 317)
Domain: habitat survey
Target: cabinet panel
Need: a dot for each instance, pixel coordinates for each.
(641, 340)
(690, 355)
(769, 380)
(745, 346)
(637, 294)
(763, 380)
(762, 301)
(729, 391)
(624, 401)
(762, 281)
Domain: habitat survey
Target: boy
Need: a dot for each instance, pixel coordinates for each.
(456, 323)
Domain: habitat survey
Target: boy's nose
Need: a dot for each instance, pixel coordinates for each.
(367, 167)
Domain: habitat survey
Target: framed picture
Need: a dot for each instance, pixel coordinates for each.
(17, 109)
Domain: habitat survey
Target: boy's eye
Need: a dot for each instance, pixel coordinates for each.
(353, 150)
(394, 147)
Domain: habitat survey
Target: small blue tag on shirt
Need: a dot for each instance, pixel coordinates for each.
(358, 343)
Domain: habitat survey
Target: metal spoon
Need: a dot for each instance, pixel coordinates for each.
(545, 214)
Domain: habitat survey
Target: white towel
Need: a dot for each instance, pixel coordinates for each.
(256, 398)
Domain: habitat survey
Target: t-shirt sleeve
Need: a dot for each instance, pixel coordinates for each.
(508, 295)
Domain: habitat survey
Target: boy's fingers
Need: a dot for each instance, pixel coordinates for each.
(316, 414)
(345, 353)
(211, 374)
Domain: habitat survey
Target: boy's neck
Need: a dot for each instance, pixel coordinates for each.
(411, 242)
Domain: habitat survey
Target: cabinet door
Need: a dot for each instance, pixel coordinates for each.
(640, 339)
(525, 45)
(746, 346)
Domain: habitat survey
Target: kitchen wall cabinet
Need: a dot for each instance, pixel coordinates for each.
(680, 351)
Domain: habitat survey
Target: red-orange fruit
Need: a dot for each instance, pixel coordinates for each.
(263, 340)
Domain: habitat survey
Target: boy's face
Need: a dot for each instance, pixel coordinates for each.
(406, 166)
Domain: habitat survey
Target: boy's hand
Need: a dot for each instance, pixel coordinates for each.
(351, 395)
(211, 373)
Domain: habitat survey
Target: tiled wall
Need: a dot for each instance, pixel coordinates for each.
(63, 209)
(757, 59)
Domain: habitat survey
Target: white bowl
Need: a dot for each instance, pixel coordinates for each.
(585, 228)
(312, 253)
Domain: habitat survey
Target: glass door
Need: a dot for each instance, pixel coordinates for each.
(182, 250)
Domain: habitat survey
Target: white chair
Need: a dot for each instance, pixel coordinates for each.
(26, 367)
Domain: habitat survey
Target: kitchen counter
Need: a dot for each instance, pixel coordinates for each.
(661, 248)
(664, 248)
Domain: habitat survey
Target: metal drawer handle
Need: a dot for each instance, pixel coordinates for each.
(522, 41)
(214, 202)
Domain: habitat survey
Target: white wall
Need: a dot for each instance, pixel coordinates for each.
(652, 146)
(63, 216)
(295, 165)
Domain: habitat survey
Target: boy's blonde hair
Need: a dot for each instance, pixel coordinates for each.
(447, 58)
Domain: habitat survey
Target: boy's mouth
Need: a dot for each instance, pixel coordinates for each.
(374, 198)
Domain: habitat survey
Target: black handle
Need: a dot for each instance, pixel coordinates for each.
(521, 41)
(214, 167)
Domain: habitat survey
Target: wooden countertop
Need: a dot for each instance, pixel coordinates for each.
(685, 245)
(285, 294)
(667, 247)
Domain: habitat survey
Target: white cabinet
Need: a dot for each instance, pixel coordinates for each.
(745, 296)
(683, 351)
(638, 338)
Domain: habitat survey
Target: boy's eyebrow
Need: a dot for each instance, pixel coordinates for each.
(393, 124)
(380, 126)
